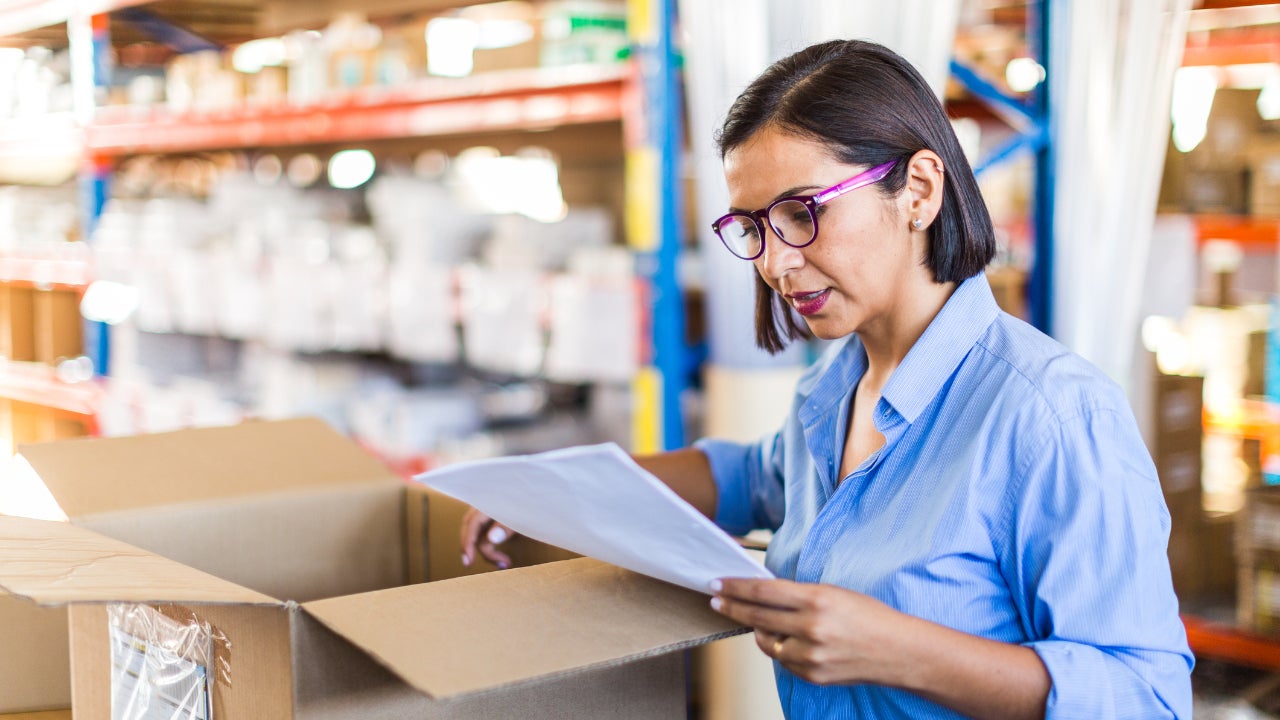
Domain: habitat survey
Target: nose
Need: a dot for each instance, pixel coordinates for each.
(778, 258)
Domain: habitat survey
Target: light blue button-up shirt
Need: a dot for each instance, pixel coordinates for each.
(1013, 499)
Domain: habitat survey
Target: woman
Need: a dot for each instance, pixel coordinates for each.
(967, 522)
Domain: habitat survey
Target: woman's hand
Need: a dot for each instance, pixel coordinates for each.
(481, 533)
(824, 634)
(832, 636)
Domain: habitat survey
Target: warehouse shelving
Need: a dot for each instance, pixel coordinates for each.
(39, 384)
(480, 105)
(1251, 232)
(44, 271)
(1227, 643)
(514, 100)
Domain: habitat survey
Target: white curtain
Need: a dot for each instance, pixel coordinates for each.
(727, 43)
(1111, 72)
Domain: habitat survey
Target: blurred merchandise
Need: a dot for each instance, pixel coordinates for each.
(583, 31)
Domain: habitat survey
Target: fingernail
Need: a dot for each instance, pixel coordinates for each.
(497, 535)
(466, 560)
(715, 586)
(716, 603)
(503, 565)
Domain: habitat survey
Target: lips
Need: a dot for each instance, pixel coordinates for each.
(810, 302)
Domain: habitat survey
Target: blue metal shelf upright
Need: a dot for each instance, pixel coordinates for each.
(1030, 119)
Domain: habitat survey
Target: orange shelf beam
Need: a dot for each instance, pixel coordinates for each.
(1260, 234)
(525, 100)
(1230, 644)
(38, 384)
(45, 272)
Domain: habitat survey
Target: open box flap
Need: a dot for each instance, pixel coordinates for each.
(101, 475)
(495, 630)
(55, 563)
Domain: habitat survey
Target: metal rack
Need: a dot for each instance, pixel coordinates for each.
(643, 98)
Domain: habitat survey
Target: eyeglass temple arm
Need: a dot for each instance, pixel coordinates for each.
(875, 174)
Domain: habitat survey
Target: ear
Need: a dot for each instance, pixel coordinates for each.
(925, 177)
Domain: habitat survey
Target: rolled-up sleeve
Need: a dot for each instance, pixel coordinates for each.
(1088, 531)
(749, 483)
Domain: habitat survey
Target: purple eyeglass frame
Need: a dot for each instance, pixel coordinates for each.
(811, 202)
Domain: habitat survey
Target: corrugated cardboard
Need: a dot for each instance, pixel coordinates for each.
(511, 634)
(17, 323)
(572, 639)
(33, 656)
(273, 506)
(57, 325)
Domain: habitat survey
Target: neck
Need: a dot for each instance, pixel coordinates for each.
(889, 340)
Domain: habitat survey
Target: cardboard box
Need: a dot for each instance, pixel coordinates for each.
(58, 326)
(1233, 122)
(296, 546)
(1264, 175)
(17, 329)
(1178, 406)
(1215, 191)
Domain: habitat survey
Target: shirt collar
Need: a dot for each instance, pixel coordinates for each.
(934, 358)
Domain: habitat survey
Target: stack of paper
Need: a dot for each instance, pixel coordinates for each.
(597, 501)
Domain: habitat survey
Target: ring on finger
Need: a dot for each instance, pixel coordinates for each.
(777, 646)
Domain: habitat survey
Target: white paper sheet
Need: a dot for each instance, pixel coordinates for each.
(596, 501)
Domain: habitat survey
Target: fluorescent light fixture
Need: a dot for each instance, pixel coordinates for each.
(1023, 74)
(527, 184)
(254, 55)
(450, 45)
(351, 168)
(109, 302)
(495, 34)
(1269, 98)
(1193, 91)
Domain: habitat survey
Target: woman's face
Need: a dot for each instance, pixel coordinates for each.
(863, 262)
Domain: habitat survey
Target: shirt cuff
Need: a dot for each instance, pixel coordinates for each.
(1088, 684)
(733, 501)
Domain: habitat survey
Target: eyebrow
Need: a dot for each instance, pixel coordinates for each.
(797, 190)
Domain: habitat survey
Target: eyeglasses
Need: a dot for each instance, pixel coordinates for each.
(794, 219)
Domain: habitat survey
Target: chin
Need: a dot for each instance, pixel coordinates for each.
(826, 331)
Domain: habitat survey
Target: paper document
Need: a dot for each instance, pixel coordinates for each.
(597, 501)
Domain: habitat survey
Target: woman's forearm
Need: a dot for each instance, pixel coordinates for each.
(977, 677)
(688, 473)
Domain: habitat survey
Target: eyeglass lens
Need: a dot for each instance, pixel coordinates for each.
(790, 219)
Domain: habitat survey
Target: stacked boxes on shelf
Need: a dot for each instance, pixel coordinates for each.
(1235, 169)
(352, 54)
(42, 276)
(1176, 448)
(1258, 561)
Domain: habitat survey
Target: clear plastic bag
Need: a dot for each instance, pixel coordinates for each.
(165, 662)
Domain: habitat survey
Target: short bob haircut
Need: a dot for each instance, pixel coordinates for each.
(868, 106)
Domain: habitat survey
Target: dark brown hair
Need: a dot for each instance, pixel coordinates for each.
(868, 106)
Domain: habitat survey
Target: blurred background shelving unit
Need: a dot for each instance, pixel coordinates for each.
(166, 107)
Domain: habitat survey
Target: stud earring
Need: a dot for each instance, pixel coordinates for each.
(916, 223)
